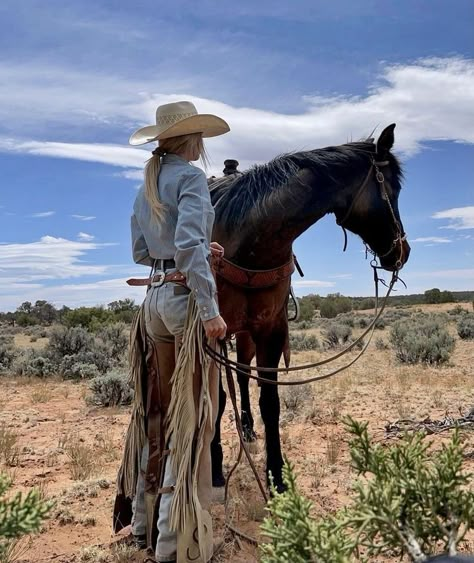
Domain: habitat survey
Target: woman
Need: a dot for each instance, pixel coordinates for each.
(171, 228)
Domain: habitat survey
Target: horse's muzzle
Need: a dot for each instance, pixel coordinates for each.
(397, 258)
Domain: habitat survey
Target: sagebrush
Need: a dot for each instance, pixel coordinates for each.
(422, 339)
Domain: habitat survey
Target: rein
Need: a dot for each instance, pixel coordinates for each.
(223, 361)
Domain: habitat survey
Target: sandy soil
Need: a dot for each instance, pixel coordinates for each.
(53, 418)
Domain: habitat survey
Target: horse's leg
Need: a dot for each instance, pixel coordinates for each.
(216, 446)
(269, 350)
(245, 354)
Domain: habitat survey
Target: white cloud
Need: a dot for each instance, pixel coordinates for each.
(50, 258)
(43, 214)
(409, 94)
(131, 174)
(84, 237)
(433, 240)
(461, 217)
(106, 154)
(84, 217)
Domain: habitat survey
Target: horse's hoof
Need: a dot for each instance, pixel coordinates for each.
(218, 480)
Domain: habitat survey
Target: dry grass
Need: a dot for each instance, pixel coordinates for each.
(94, 554)
(83, 460)
(333, 448)
(9, 449)
(122, 553)
(15, 549)
(41, 393)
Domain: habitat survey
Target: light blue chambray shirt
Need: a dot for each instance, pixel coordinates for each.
(183, 233)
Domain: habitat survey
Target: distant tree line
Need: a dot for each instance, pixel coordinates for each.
(44, 313)
(335, 303)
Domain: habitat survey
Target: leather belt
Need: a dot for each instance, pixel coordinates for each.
(159, 279)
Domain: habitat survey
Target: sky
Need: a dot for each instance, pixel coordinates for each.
(77, 78)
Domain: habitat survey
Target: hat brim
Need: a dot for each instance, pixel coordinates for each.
(207, 124)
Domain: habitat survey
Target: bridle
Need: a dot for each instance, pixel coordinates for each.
(400, 234)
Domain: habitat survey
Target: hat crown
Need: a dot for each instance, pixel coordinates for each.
(169, 114)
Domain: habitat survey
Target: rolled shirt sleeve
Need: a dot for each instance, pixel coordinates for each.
(195, 215)
(140, 251)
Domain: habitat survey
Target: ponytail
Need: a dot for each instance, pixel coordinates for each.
(152, 171)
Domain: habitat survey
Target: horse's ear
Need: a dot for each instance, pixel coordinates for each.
(386, 141)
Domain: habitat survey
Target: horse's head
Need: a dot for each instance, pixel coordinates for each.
(371, 209)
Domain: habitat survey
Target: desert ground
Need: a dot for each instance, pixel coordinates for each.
(72, 450)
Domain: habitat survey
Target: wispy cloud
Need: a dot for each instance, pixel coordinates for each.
(409, 93)
(43, 214)
(49, 258)
(460, 217)
(85, 237)
(131, 174)
(432, 240)
(84, 217)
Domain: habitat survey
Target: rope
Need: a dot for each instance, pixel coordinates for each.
(221, 360)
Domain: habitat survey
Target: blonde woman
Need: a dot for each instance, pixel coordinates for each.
(171, 228)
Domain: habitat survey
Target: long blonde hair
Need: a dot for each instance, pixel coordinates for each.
(191, 144)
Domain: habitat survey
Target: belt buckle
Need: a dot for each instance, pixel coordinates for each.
(160, 281)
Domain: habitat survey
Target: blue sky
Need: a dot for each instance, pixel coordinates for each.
(76, 78)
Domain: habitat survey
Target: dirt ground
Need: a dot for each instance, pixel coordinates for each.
(54, 422)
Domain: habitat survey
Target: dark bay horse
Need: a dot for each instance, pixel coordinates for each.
(258, 216)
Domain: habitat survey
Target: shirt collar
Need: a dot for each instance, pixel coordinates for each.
(173, 159)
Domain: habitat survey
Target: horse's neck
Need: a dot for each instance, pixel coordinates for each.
(267, 243)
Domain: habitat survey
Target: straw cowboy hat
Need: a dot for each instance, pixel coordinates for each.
(179, 118)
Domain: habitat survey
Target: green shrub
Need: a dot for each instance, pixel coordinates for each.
(362, 322)
(465, 326)
(115, 338)
(422, 339)
(19, 515)
(412, 502)
(346, 319)
(302, 341)
(33, 363)
(336, 334)
(80, 371)
(111, 390)
(69, 342)
(97, 357)
(8, 353)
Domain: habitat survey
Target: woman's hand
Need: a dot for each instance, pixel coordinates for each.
(215, 328)
(216, 249)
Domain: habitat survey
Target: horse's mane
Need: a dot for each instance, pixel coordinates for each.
(234, 197)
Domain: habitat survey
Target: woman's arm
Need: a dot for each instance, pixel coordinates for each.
(191, 240)
(139, 246)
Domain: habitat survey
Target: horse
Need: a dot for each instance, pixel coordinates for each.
(258, 215)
